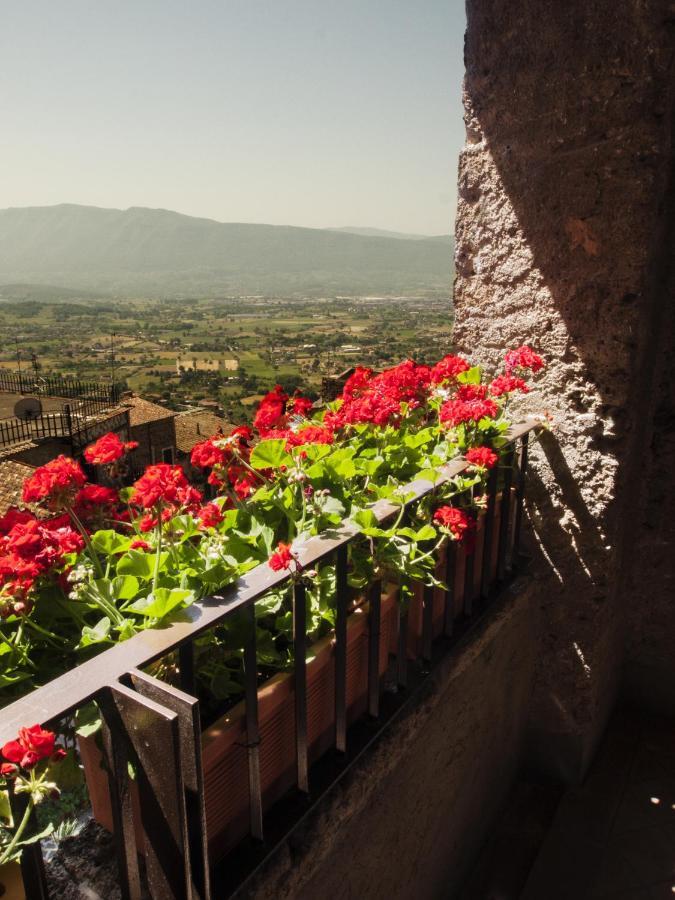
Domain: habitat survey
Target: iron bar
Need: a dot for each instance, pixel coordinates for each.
(488, 533)
(252, 727)
(505, 519)
(402, 646)
(341, 597)
(374, 612)
(469, 582)
(300, 683)
(450, 569)
(520, 495)
(427, 621)
(186, 667)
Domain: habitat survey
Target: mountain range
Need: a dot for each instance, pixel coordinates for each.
(155, 252)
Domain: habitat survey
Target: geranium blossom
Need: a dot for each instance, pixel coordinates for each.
(448, 368)
(482, 457)
(282, 558)
(108, 449)
(454, 521)
(55, 483)
(507, 384)
(161, 483)
(523, 358)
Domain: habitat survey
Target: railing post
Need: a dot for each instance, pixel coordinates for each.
(488, 534)
(300, 683)
(252, 726)
(32, 862)
(341, 589)
(374, 612)
(520, 497)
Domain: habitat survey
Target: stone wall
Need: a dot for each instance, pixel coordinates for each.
(412, 815)
(561, 242)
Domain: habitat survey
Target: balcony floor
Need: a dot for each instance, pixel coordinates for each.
(614, 837)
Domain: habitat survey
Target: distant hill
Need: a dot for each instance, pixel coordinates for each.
(156, 252)
(397, 235)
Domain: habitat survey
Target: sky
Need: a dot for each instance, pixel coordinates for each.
(290, 112)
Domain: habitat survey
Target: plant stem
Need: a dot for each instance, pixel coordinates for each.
(87, 541)
(16, 837)
(158, 550)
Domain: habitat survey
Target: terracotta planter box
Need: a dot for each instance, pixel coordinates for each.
(11, 882)
(224, 755)
(416, 607)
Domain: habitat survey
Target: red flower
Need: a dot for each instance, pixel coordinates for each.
(282, 558)
(454, 521)
(7, 770)
(506, 384)
(310, 434)
(107, 449)
(94, 503)
(32, 745)
(300, 406)
(56, 483)
(448, 368)
(161, 483)
(140, 544)
(482, 457)
(356, 382)
(271, 409)
(12, 517)
(243, 432)
(523, 358)
(210, 515)
(207, 454)
(455, 412)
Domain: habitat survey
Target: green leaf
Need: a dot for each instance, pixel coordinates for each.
(108, 542)
(162, 602)
(96, 635)
(471, 376)
(418, 439)
(88, 720)
(140, 564)
(271, 454)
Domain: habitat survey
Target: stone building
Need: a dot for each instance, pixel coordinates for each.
(153, 427)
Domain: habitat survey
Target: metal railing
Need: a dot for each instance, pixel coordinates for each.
(157, 726)
(59, 386)
(79, 423)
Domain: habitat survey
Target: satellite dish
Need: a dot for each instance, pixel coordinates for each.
(28, 408)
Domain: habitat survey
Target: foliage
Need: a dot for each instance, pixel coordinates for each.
(104, 565)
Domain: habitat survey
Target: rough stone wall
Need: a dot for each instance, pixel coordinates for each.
(412, 815)
(152, 438)
(560, 242)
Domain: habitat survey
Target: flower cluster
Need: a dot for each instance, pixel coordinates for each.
(31, 746)
(96, 564)
(30, 548)
(54, 484)
(108, 449)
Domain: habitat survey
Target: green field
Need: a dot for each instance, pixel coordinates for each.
(183, 352)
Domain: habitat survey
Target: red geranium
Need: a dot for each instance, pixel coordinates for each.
(455, 522)
(523, 358)
(271, 410)
(506, 384)
(32, 745)
(282, 558)
(482, 457)
(448, 368)
(107, 449)
(55, 483)
(161, 483)
(210, 515)
(300, 406)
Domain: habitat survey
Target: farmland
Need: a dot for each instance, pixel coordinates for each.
(228, 350)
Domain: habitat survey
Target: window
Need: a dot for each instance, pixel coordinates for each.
(167, 455)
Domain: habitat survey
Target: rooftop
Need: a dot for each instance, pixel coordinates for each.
(195, 425)
(143, 411)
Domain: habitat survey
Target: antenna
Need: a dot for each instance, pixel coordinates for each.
(28, 408)
(112, 358)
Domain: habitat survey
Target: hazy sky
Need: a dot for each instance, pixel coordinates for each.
(300, 112)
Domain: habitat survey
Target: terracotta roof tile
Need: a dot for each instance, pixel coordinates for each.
(197, 425)
(12, 474)
(142, 411)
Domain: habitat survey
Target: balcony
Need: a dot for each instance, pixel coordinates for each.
(206, 809)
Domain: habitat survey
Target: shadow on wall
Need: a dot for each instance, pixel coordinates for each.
(562, 240)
